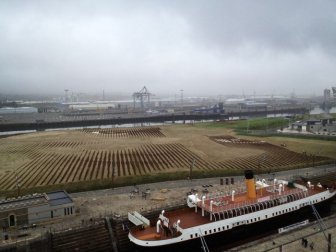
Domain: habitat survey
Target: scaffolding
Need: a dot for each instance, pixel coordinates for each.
(204, 244)
(320, 222)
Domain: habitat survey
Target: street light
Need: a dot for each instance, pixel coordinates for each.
(182, 98)
(17, 183)
(266, 124)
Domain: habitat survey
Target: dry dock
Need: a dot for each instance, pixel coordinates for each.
(292, 240)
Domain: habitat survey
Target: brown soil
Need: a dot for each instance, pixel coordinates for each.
(49, 158)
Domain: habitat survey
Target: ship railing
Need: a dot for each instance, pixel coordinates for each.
(219, 198)
(249, 206)
(290, 192)
(228, 204)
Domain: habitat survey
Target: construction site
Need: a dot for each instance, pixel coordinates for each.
(108, 172)
(101, 223)
(126, 160)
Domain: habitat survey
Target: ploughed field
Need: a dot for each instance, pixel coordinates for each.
(65, 157)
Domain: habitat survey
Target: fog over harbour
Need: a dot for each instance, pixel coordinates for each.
(202, 47)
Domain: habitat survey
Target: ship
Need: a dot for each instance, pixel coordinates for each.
(226, 216)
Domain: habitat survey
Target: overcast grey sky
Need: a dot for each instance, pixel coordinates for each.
(204, 47)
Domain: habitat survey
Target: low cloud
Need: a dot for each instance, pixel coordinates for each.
(205, 48)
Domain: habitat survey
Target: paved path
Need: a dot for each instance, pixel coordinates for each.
(310, 171)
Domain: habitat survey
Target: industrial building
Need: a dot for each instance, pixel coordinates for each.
(32, 209)
(322, 127)
(319, 127)
(326, 95)
(17, 110)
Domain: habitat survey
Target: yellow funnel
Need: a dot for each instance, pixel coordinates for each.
(250, 185)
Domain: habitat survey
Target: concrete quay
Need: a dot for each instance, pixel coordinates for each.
(292, 241)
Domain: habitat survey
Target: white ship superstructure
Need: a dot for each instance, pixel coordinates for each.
(212, 214)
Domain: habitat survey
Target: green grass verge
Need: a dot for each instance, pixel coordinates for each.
(261, 133)
(263, 127)
(250, 124)
(262, 124)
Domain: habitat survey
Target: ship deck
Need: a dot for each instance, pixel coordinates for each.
(189, 218)
(222, 203)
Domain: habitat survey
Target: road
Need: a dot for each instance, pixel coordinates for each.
(288, 175)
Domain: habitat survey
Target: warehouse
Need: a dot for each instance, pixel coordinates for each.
(31, 209)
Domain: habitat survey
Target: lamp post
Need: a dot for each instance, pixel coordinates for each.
(266, 131)
(113, 168)
(17, 183)
(313, 160)
(181, 99)
(191, 169)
